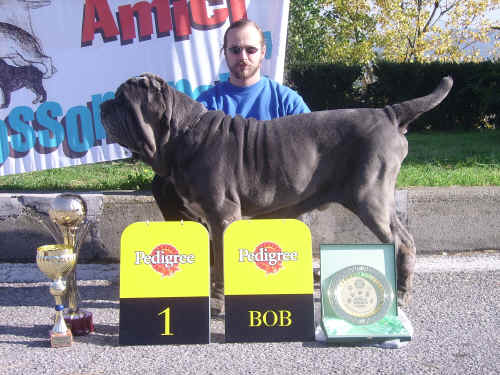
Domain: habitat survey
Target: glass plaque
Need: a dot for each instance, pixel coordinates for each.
(358, 293)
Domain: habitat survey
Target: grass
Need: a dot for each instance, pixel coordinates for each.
(434, 159)
(449, 159)
(115, 175)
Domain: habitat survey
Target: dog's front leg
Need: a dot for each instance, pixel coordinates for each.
(217, 225)
(168, 200)
(217, 269)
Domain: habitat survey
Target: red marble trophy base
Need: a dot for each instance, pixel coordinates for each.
(61, 340)
(80, 323)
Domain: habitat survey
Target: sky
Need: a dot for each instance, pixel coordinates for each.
(495, 16)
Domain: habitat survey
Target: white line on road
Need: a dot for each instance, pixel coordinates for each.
(473, 262)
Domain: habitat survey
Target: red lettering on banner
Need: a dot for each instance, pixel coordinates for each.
(237, 10)
(201, 19)
(182, 25)
(143, 11)
(163, 16)
(176, 15)
(97, 17)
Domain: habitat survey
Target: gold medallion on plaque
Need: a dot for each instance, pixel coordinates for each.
(360, 294)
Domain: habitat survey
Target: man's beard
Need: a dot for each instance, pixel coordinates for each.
(248, 72)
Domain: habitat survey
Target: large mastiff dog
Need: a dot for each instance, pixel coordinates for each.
(218, 169)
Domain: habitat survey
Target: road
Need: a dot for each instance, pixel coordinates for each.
(454, 312)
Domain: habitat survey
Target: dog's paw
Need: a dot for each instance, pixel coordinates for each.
(217, 306)
(217, 310)
(403, 298)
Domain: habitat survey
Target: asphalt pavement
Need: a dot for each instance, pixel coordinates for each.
(454, 313)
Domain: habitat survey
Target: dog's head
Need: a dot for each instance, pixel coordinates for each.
(141, 118)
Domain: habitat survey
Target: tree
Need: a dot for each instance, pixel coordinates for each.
(433, 30)
(330, 31)
(308, 34)
(356, 31)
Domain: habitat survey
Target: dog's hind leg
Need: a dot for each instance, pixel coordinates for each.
(406, 259)
(377, 211)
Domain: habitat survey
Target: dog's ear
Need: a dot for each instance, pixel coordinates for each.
(111, 118)
(148, 92)
(133, 118)
(177, 109)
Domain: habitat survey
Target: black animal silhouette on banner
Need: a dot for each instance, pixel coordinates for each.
(23, 63)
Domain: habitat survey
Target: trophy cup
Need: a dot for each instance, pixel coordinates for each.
(68, 212)
(56, 261)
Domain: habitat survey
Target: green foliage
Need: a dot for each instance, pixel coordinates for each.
(474, 101)
(308, 32)
(325, 86)
(360, 31)
(471, 103)
(325, 31)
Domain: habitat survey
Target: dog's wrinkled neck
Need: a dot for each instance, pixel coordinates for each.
(184, 111)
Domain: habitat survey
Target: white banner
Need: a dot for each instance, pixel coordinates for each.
(60, 59)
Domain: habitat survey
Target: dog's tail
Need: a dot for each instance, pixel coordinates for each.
(408, 111)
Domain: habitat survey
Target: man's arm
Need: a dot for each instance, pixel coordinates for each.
(297, 106)
(207, 98)
(294, 104)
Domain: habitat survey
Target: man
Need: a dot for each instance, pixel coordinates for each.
(248, 93)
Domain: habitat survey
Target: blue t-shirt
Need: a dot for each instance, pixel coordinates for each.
(265, 100)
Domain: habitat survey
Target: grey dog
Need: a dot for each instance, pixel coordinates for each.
(224, 168)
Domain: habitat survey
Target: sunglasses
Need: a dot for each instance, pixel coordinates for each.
(237, 50)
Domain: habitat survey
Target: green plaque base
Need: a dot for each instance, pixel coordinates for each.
(388, 328)
(358, 294)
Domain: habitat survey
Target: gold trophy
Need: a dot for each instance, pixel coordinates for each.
(56, 261)
(69, 213)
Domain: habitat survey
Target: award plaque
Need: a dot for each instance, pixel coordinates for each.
(360, 294)
(359, 303)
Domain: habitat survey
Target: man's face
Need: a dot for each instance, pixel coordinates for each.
(244, 54)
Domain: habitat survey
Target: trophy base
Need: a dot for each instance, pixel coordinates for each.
(61, 340)
(80, 323)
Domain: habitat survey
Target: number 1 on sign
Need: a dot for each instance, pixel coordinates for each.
(166, 312)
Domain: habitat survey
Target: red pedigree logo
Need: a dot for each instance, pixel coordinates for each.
(165, 268)
(268, 256)
(164, 259)
(268, 263)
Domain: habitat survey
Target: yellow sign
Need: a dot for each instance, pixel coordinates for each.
(268, 257)
(164, 259)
